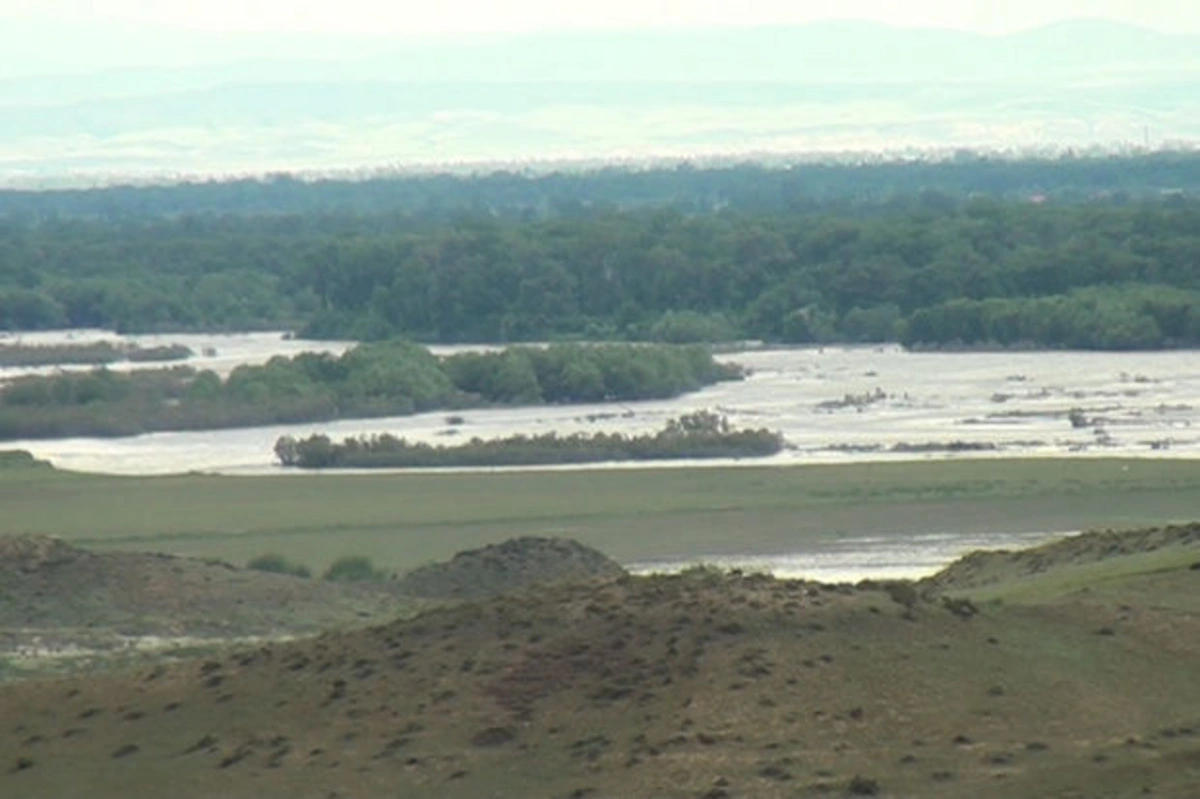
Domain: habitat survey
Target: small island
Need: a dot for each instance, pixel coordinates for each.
(97, 353)
(392, 378)
(701, 434)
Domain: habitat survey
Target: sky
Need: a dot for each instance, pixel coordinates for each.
(447, 16)
(72, 37)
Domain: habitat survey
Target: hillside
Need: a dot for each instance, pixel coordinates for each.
(1051, 561)
(66, 607)
(700, 685)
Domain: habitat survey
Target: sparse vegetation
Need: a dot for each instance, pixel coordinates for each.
(514, 565)
(763, 687)
(96, 612)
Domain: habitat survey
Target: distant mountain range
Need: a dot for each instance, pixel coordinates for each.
(251, 103)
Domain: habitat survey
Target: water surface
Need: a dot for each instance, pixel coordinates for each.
(890, 556)
(832, 404)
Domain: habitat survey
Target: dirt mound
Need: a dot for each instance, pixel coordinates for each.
(511, 566)
(677, 687)
(56, 597)
(33, 552)
(978, 569)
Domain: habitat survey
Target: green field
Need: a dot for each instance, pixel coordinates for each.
(404, 520)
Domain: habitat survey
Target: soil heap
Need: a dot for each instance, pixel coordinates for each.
(55, 596)
(514, 565)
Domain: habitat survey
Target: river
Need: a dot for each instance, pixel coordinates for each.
(891, 556)
(832, 404)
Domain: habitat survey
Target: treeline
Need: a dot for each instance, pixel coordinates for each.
(692, 188)
(383, 379)
(701, 434)
(783, 278)
(1110, 318)
(855, 274)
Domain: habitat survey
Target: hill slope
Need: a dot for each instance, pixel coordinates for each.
(513, 565)
(700, 685)
(59, 602)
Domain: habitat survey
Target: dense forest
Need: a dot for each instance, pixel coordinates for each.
(384, 379)
(796, 185)
(926, 267)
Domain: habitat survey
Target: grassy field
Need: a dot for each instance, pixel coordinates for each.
(402, 521)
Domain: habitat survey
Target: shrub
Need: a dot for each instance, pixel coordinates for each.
(961, 607)
(275, 563)
(862, 786)
(903, 593)
(493, 736)
(353, 569)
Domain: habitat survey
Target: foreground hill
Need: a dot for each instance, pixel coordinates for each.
(63, 605)
(1117, 556)
(67, 609)
(699, 685)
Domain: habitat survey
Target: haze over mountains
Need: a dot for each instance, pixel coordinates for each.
(235, 103)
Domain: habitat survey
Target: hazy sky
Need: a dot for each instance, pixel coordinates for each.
(422, 16)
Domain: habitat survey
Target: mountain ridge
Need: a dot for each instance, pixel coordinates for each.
(824, 87)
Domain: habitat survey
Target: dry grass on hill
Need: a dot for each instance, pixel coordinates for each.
(700, 685)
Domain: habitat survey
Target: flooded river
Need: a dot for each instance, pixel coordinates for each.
(832, 404)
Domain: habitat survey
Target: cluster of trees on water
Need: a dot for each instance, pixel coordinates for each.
(100, 352)
(382, 379)
(909, 269)
(701, 434)
(692, 188)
